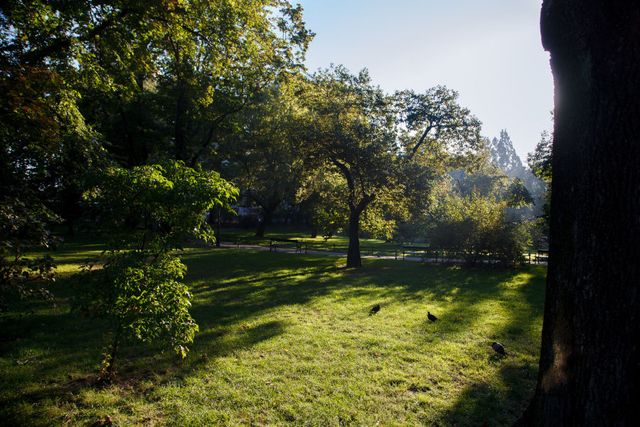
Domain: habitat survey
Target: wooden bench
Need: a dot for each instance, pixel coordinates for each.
(273, 244)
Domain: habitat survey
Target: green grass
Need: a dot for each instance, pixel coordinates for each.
(287, 339)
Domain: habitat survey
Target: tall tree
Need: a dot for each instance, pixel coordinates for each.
(266, 155)
(540, 159)
(437, 135)
(202, 61)
(540, 164)
(218, 56)
(353, 131)
(590, 360)
(123, 75)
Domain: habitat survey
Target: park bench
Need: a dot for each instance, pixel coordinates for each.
(273, 244)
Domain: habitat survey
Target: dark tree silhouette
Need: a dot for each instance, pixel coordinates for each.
(590, 359)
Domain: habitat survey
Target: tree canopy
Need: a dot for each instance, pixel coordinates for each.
(352, 130)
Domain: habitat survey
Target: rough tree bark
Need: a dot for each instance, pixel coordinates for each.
(353, 253)
(590, 359)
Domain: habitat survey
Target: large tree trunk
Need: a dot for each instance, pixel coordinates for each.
(267, 216)
(353, 253)
(590, 359)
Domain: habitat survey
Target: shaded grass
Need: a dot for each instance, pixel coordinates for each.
(287, 339)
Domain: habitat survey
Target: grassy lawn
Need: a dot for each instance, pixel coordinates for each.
(287, 339)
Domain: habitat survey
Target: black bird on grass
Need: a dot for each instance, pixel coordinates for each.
(374, 309)
(431, 317)
(498, 348)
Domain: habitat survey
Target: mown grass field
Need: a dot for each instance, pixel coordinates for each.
(287, 339)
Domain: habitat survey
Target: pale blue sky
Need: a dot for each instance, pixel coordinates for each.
(487, 50)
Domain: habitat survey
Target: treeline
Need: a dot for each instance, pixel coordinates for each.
(139, 118)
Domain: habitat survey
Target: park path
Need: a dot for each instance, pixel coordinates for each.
(289, 250)
(230, 245)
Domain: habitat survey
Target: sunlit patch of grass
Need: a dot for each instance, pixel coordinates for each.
(288, 339)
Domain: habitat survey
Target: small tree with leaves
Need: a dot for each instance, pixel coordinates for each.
(149, 212)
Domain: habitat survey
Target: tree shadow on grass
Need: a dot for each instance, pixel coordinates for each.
(69, 365)
(465, 291)
(481, 404)
(56, 354)
(232, 290)
(485, 404)
(210, 345)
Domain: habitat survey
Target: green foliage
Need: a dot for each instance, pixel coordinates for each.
(322, 193)
(478, 227)
(157, 207)
(267, 157)
(43, 144)
(381, 219)
(437, 125)
(144, 299)
(218, 68)
(479, 215)
(540, 160)
(149, 211)
(486, 180)
(511, 241)
(437, 135)
(518, 195)
(24, 226)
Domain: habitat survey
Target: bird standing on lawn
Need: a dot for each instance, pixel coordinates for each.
(431, 317)
(374, 309)
(498, 348)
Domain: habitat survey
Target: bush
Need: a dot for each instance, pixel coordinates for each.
(477, 227)
(149, 212)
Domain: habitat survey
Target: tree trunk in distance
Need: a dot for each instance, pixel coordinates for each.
(218, 221)
(267, 214)
(590, 358)
(353, 253)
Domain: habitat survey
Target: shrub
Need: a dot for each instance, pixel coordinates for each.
(149, 212)
(477, 227)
